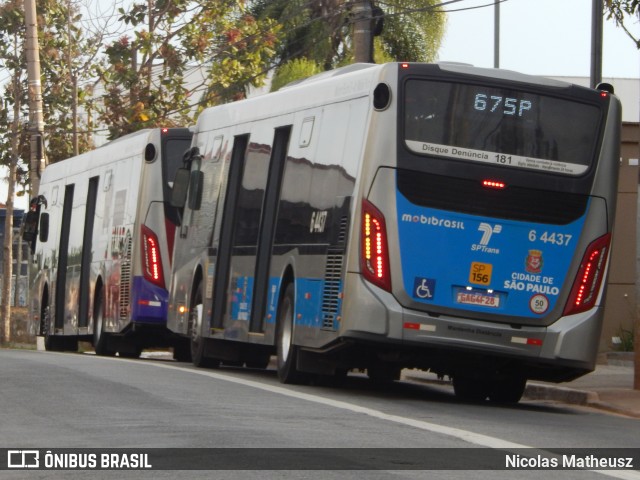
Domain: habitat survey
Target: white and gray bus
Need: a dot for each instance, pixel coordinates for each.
(101, 232)
(381, 217)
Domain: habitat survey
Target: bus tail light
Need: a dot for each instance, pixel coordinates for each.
(494, 184)
(374, 256)
(589, 278)
(151, 259)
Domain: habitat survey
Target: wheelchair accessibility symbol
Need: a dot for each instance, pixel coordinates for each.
(424, 288)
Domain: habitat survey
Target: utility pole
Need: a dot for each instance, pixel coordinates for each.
(73, 79)
(496, 34)
(597, 13)
(362, 35)
(36, 119)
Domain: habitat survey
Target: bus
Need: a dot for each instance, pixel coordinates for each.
(101, 232)
(438, 217)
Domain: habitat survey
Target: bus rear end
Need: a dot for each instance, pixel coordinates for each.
(487, 243)
(152, 243)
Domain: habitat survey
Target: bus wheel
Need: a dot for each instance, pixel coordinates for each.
(100, 337)
(287, 352)
(182, 350)
(195, 328)
(131, 351)
(508, 390)
(471, 389)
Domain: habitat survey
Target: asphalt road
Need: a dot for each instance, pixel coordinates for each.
(78, 401)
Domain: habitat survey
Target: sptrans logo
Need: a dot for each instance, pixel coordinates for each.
(433, 221)
(487, 233)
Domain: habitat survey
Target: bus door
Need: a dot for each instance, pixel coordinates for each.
(62, 295)
(253, 191)
(74, 263)
(87, 251)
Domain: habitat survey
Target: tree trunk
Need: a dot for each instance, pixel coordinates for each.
(5, 309)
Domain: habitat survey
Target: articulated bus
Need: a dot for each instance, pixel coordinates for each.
(101, 231)
(379, 217)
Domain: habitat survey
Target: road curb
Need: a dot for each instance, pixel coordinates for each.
(536, 391)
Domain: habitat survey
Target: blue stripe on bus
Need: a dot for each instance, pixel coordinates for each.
(484, 264)
(310, 308)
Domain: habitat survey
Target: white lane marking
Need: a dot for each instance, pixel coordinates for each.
(467, 436)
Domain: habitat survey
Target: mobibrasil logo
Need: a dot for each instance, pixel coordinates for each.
(433, 221)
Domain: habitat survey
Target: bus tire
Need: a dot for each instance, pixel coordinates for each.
(196, 340)
(182, 350)
(508, 389)
(471, 389)
(100, 337)
(287, 352)
(131, 351)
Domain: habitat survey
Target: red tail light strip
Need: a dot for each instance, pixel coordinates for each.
(375, 254)
(586, 286)
(151, 259)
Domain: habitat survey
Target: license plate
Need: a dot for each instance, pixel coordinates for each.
(478, 298)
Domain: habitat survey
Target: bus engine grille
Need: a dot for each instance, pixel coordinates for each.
(333, 279)
(125, 279)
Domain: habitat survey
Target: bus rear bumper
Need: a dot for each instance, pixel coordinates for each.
(149, 303)
(562, 351)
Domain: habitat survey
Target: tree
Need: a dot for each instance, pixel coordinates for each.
(321, 30)
(294, 70)
(11, 138)
(68, 55)
(180, 49)
(618, 10)
(63, 48)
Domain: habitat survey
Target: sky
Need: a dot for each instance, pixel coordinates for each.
(538, 37)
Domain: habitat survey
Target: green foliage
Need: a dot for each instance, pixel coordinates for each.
(626, 340)
(64, 55)
(13, 139)
(412, 32)
(146, 74)
(313, 30)
(619, 9)
(321, 32)
(297, 69)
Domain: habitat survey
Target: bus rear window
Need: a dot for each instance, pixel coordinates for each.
(500, 126)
